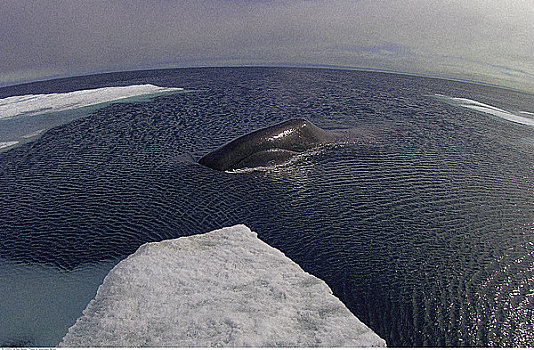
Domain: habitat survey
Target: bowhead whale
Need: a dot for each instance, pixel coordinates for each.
(271, 145)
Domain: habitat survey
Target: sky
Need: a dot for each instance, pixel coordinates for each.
(477, 40)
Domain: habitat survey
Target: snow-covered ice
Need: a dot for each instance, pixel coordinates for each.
(487, 109)
(56, 102)
(5, 144)
(222, 288)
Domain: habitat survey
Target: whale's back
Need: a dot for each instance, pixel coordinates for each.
(268, 145)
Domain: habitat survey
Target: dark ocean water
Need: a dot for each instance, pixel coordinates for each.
(426, 232)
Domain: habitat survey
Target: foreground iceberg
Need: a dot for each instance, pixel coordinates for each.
(223, 288)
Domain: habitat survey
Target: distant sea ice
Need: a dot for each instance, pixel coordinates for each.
(5, 144)
(488, 109)
(55, 102)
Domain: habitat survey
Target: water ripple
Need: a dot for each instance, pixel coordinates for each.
(426, 235)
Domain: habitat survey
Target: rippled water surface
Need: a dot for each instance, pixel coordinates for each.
(425, 230)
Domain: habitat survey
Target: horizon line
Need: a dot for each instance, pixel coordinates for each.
(273, 65)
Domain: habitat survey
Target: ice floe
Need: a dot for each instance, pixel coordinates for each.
(5, 144)
(222, 288)
(56, 102)
(488, 109)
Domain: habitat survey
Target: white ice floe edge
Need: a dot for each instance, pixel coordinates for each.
(5, 144)
(222, 288)
(501, 114)
(33, 134)
(55, 102)
(487, 109)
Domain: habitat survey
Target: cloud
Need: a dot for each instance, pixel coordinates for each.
(67, 37)
(390, 49)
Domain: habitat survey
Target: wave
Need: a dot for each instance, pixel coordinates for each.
(515, 117)
(55, 102)
(277, 166)
(223, 288)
